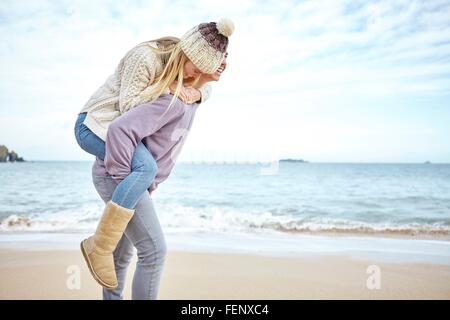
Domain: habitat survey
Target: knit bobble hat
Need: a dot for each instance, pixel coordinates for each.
(206, 44)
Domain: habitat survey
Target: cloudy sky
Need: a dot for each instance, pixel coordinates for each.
(326, 81)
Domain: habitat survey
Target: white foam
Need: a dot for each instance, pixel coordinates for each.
(177, 218)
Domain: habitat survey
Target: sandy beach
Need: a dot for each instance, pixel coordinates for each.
(44, 274)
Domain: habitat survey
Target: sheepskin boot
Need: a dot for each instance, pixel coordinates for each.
(98, 249)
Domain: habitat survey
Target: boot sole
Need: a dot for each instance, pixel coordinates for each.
(94, 275)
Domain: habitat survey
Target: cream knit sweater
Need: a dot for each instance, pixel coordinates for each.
(133, 77)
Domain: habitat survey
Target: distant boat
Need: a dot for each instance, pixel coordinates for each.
(427, 162)
(293, 160)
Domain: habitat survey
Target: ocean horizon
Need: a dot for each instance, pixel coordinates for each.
(425, 162)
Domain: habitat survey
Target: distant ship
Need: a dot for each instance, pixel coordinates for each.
(293, 160)
(427, 162)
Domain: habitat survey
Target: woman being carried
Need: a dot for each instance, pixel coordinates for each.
(135, 127)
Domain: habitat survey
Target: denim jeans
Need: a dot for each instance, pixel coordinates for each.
(143, 165)
(145, 234)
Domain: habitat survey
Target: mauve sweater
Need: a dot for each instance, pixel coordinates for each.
(162, 134)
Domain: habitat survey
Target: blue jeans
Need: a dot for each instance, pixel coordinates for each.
(143, 165)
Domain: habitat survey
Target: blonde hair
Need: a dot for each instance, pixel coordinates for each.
(173, 58)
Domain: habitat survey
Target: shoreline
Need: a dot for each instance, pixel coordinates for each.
(389, 250)
(443, 235)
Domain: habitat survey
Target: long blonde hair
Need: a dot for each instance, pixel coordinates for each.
(173, 59)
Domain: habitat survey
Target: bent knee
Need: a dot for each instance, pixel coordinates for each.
(148, 168)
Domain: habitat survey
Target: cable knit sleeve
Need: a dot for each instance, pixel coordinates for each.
(127, 131)
(205, 92)
(138, 73)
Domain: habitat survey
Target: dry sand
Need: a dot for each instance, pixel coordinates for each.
(195, 275)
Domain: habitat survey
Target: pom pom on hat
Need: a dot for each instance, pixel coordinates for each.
(225, 26)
